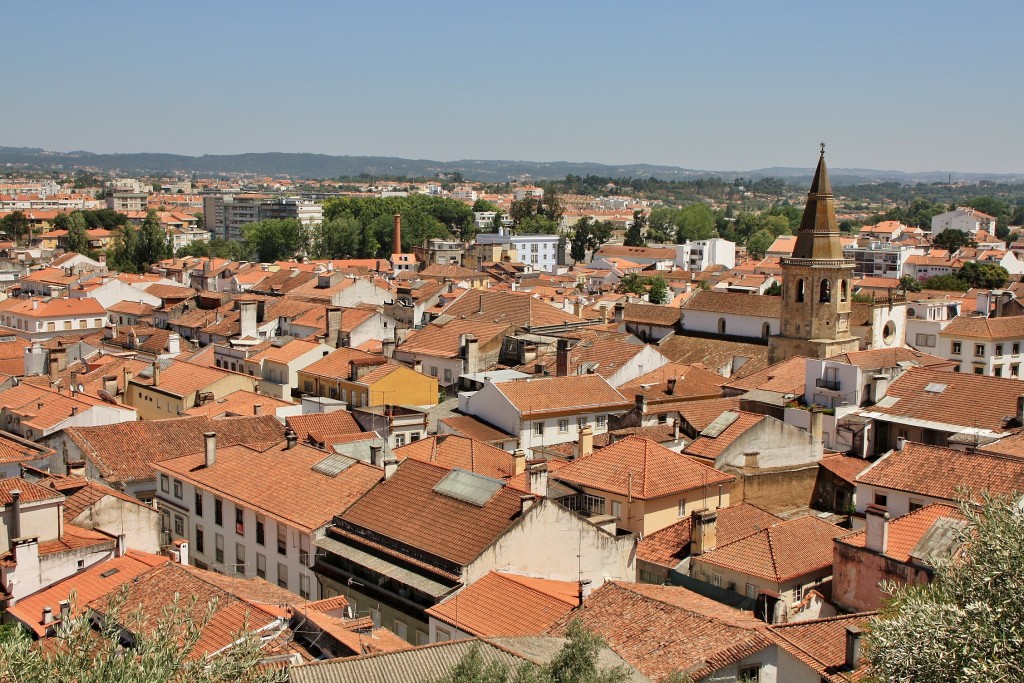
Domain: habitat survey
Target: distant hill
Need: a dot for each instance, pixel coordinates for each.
(307, 165)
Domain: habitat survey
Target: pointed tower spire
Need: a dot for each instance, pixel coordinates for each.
(818, 237)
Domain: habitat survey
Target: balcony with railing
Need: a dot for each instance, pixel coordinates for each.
(828, 384)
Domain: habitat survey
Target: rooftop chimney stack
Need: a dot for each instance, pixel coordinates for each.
(47, 615)
(586, 445)
(396, 237)
(257, 409)
(376, 456)
(876, 528)
(703, 531)
(671, 389)
(333, 326)
(210, 442)
(15, 515)
(518, 461)
(817, 423)
(247, 319)
(853, 640)
(290, 438)
(65, 610)
(390, 467)
(538, 479)
(562, 358)
(156, 373)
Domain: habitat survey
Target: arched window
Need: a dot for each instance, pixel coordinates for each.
(826, 291)
(721, 326)
(765, 331)
(843, 290)
(800, 289)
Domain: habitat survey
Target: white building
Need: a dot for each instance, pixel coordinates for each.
(878, 259)
(731, 314)
(984, 346)
(963, 218)
(540, 251)
(699, 255)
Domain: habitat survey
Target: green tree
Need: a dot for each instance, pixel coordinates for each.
(537, 225)
(152, 243)
(774, 289)
(275, 239)
(550, 205)
(497, 224)
(164, 650)
(967, 624)
(581, 240)
(984, 275)
(695, 222)
(337, 238)
(631, 283)
(522, 209)
(909, 284)
(78, 238)
(657, 291)
(952, 240)
(661, 225)
(635, 231)
(759, 242)
(484, 205)
(946, 283)
(16, 225)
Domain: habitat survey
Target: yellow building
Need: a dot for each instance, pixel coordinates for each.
(642, 485)
(364, 379)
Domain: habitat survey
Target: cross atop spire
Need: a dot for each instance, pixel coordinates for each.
(823, 149)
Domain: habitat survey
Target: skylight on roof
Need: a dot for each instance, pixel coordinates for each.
(333, 465)
(720, 424)
(469, 487)
(936, 388)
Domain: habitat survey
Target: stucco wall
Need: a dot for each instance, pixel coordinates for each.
(858, 573)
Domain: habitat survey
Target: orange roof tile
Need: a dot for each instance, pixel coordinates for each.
(821, 644)
(670, 546)
(536, 396)
(714, 446)
(451, 452)
(905, 532)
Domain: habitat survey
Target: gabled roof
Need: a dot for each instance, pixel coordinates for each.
(300, 494)
(438, 524)
(240, 403)
(80, 494)
(732, 303)
(181, 378)
(467, 425)
(649, 314)
(938, 472)
(444, 340)
(782, 552)
(878, 359)
(519, 309)
(821, 645)
(602, 355)
(640, 468)
(536, 396)
(670, 546)
(336, 363)
(741, 358)
(662, 629)
(30, 492)
(320, 425)
(989, 329)
(500, 604)
(700, 414)
(906, 532)
(44, 408)
(787, 377)
(675, 383)
(734, 424)
(126, 452)
(13, 448)
(451, 452)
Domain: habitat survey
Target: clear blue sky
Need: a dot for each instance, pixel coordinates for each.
(713, 85)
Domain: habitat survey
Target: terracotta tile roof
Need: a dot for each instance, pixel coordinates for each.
(152, 591)
(906, 531)
(57, 308)
(519, 309)
(877, 359)
(992, 399)
(821, 645)
(170, 292)
(782, 552)
(44, 408)
(648, 314)
(126, 452)
(500, 604)
(450, 272)
(688, 382)
(553, 394)
(741, 358)
(699, 414)
(136, 308)
(663, 629)
(80, 494)
(846, 467)
(286, 352)
(938, 472)
(467, 528)
(87, 585)
(734, 304)
(319, 425)
(786, 377)
(240, 475)
(618, 250)
(641, 468)
(461, 452)
(1009, 445)
(603, 355)
(30, 492)
(239, 403)
(13, 448)
(467, 425)
(977, 327)
(182, 378)
(336, 364)
(671, 545)
(714, 446)
(443, 340)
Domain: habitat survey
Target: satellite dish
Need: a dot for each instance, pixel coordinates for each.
(81, 388)
(105, 396)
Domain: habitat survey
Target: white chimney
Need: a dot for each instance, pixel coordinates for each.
(390, 467)
(210, 439)
(538, 479)
(876, 528)
(182, 547)
(173, 343)
(47, 615)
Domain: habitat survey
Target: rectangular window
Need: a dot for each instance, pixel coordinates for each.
(979, 349)
(282, 539)
(581, 422)
(200, 539)
(177, 489)
(956, 347)
(999, 350)
(925, 340)
(1015, 370)
(979, 370)
(165, 483)
(1016, 348)
(218, 548)
(282, 575)
(239, 521)
(663, 418)
(415, 436)
(447, 376)
(199, 503)
(601, 421)
(260, 530)
(563, 426)
(681, 510)
(304, 586)
(750, 674)
(798, 593)
(915, 504)
(179, 526)
(240, 558)
(592, 504)
(218, 512)
(261, 566)
(881, 499)
(538, 428)
(304, 550)
(399, 440)
(616, 509)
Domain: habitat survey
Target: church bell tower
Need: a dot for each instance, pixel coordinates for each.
(816, 281)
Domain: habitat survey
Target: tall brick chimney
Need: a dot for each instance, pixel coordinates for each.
(396, 238)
